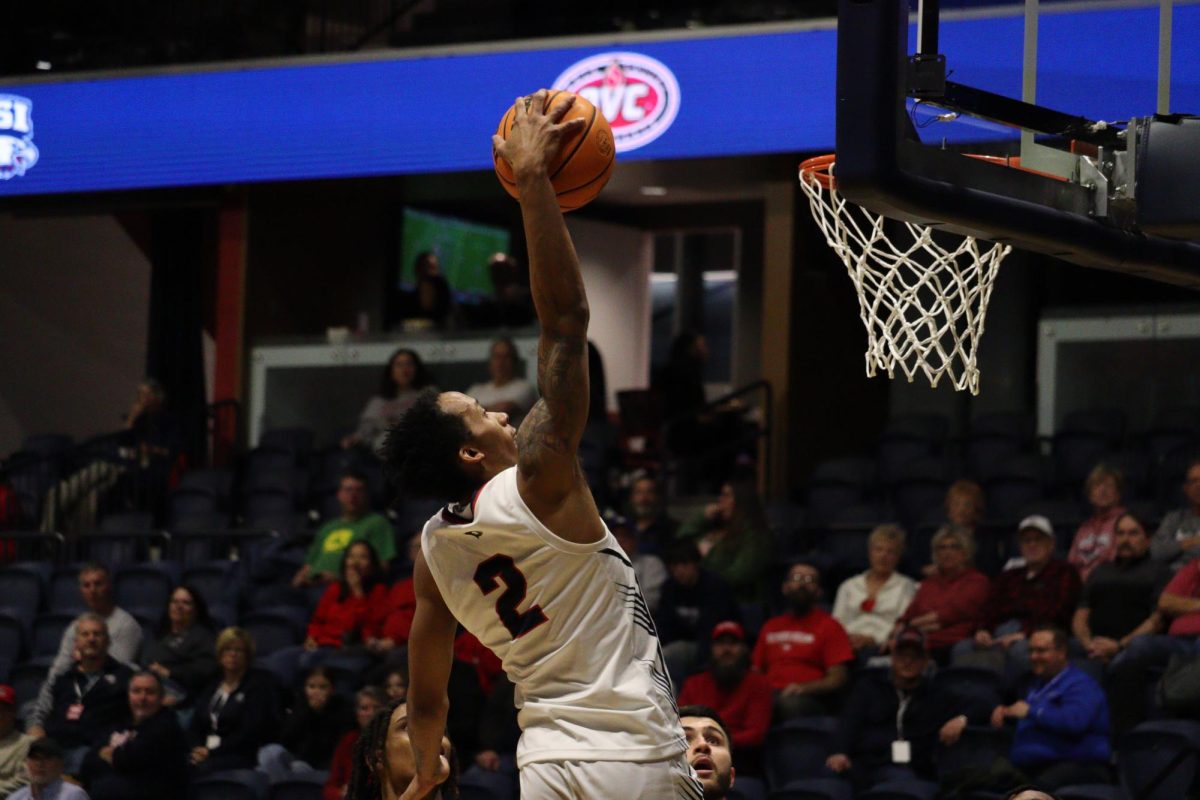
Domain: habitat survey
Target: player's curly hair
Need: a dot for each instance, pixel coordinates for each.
(369, 750)
(420, 453)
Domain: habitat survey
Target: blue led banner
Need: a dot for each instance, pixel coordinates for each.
(682, 98)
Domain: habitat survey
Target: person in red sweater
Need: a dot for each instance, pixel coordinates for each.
(397, 611)
(949, 605)
(741, 696)
(803, 652)
(368, 701)
(350, 610)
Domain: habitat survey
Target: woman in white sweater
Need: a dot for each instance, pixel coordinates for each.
(869, 604)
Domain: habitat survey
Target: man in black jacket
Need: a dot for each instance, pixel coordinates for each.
(145, 755)
(892, 723)
(88, 699)
(693, 601)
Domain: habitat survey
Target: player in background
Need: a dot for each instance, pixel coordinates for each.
(521, 557)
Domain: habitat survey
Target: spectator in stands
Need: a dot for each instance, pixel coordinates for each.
(1062, 724)
(505, 391)
(403, 378)
(1120, 600)
(948, 605)
(44, 765)
(237, 713)
(383, 759)
(1178, 538)
(740, 695)
(869, 604)
(1094, 541)
(430, 303)
(89, 698)
(512, 299)
(693, 601)
(310, 731)
(145, 754)
(964, 506)
(181, 654)
(804, 651)
(124, 636)
(1179, 604)
(709, 751)
(350, 611)
(892, 722)
(650, 571)
(14, 745)
(654, 528)
(733, 538)
(1042, 591)
(398, 610)
(357, 523)
(499, 729)
(395, 684)
(368, 702)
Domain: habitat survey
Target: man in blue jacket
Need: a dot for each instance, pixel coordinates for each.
(1062, 724)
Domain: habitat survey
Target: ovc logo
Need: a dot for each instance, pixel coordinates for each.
(637, 94)
(18, 153)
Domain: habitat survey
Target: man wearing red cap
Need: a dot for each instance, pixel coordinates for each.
(13, 744)
(741, 696)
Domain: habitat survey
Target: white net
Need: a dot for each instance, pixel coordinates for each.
(923, 303)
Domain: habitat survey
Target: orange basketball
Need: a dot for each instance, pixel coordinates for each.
(585, 162)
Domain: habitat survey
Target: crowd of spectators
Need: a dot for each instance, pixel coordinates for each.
(1071, 635)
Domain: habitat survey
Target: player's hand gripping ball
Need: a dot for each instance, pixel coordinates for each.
(583, 165)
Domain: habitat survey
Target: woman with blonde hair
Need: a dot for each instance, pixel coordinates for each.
(948, 606)
(869, 604)
(1096, 542)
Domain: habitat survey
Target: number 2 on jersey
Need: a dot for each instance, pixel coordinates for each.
(504, 568)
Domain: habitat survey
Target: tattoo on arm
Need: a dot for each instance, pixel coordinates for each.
(553, 427)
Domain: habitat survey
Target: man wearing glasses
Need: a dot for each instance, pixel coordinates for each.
(804, 651)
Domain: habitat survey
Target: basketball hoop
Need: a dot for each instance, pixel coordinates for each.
(923, 303)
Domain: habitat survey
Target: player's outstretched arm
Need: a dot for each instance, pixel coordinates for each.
(430, 656)
(549, 436)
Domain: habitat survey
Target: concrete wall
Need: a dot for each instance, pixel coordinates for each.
(616, 262)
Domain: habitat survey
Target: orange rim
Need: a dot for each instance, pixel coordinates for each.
(820, 168)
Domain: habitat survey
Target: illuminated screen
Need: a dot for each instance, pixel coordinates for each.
(463, 249)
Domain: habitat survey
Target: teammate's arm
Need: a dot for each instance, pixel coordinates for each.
(549, 436)
(430, 656)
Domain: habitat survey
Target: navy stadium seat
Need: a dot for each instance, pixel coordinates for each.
(13, 633)
(901, 790)
(300, 787)
(47, 633)
(269, 500)
(20, 591)
(298, 441)
(234, 784)
(1075, 453)
(746, 787)
(798, 749)
(1091, 791)
(191, 501)
(64, 590)
(216, 582)
(970, 684)
(217, 481)
(144, 586)
(124, 521)
(815, 789)
(27, 679)
(275, 628)
(1160, 760)
(977, 745)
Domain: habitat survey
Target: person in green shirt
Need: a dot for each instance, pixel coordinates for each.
(357, 522)
(733, 538)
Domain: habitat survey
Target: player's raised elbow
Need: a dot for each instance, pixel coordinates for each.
(570, 321)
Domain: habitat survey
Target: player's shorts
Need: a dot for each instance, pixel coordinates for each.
(672, 779)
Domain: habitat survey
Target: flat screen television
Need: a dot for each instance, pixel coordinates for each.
(463, 249)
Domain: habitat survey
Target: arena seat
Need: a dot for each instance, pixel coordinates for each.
(977, 745)
(901, 790)
(797, 749)
(297, 440)
(22, 594)
(13, 633)
(47, 633)
(64, 590)
(1092, 791)
(814, 789)
(216, 480)
(1160, 760)
(27, 679)
(478, 783)
(234, 784)
(145, 586)
(301, 787)
(275, 628)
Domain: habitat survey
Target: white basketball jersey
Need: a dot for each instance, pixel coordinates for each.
(569, 624)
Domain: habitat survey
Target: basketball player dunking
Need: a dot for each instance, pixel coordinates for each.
(521, 557)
